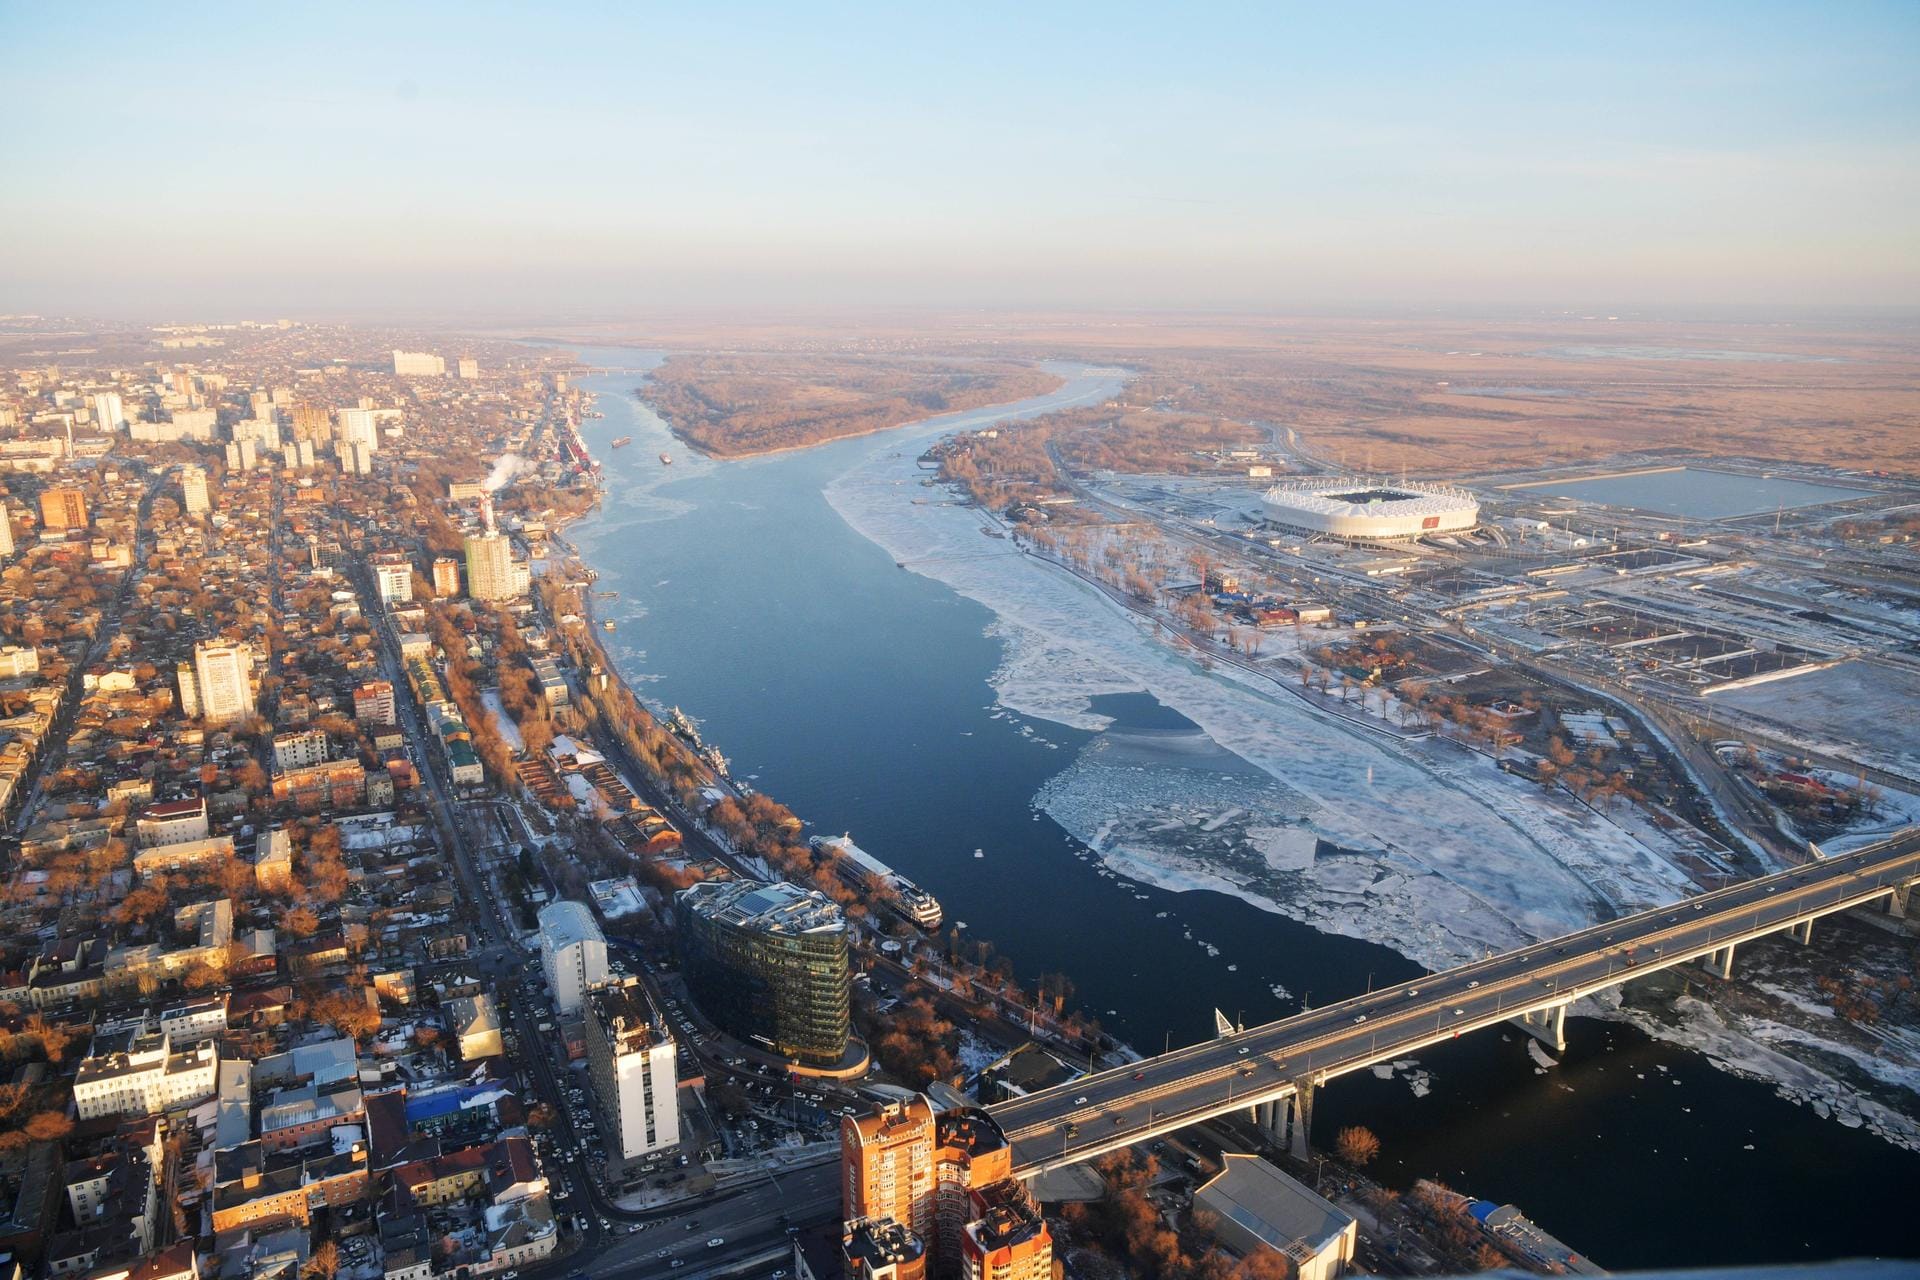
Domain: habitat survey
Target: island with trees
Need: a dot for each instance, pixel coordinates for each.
(737, 404)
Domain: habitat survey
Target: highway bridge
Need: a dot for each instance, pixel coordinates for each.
(1272, 1070)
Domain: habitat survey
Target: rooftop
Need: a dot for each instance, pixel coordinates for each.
(1260, 1199)
(770, 907)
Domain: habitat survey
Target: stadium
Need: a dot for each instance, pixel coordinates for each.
(1351, 512)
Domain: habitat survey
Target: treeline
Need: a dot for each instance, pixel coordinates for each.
(732, 405)
(1126, 1226)
(1018, 463)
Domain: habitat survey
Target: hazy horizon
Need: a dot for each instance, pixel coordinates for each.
(441, 160)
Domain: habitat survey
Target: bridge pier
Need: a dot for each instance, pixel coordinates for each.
(1301, 1105)
(1803, 932)
(1548, 1026)
(1897, 901)
(1288, 1119)
(1719, 962)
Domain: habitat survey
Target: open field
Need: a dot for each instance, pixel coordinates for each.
(1434, 395)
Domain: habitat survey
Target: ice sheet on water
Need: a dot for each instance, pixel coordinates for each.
(1412, 845)
(1471, 860)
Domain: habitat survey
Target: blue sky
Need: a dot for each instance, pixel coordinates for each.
(308, 158)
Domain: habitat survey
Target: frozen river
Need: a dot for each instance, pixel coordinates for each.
(985, 725)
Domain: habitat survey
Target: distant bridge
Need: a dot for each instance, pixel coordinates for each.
(1272, 1070)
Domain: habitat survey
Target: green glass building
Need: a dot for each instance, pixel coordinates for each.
(768, 963)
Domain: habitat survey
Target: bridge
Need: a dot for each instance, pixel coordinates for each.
(1271, 1071)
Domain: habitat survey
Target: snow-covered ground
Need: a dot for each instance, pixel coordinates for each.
(502, 722)
(1419, 846)
(1825, 711)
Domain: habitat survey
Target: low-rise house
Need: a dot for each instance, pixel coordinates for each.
(182, 855)
(173, 822)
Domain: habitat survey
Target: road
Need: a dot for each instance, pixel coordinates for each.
(1076, 1121)
(752, 1220)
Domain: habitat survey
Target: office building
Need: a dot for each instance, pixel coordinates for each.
(631, 1057)
(393, 577)
(768, 962)
(573, 954)
(886, 1166)
(880, 1249)
(490, 566)
(63, 508)
(446, 577)
(220, 687)
(469, 368)
(1008, 1238)
(193, 491)
(108, 412)
(418, 364)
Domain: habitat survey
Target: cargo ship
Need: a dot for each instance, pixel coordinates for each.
(621, 442)
(900, 895)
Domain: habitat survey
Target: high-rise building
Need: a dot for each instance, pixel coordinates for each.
(970, 1152)
(357, 427)
(490, 566)
(6, 531)
(881, 1249)
(63, 508)
(393, 576)
(1007, 1239)
(446, 577)
(263, 431)
(311, 422)
(242, 455)
(886, 1166)
(108, 412)
(193, 424)
(418, 364)
(469, 368)
(303, 452)
(222, 681)
(768, 962)
(193, 491)
(573, 953)
(631, 1057)
(358, 459)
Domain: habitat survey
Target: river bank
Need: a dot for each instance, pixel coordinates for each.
(897, 706)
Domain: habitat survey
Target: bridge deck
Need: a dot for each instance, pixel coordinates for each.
(1117, 1108)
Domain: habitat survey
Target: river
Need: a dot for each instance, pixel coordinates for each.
(858, 694)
